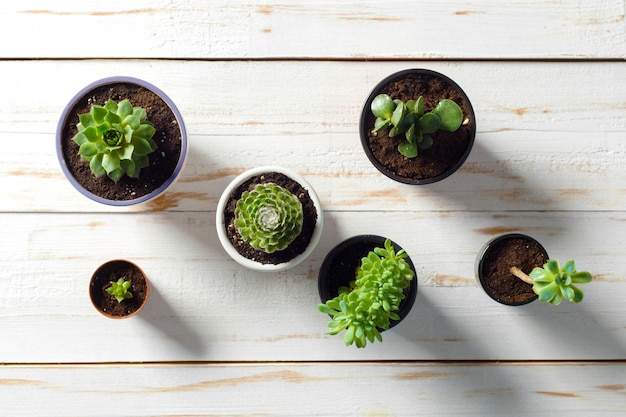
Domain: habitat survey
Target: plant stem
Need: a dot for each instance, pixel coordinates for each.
(521, 275)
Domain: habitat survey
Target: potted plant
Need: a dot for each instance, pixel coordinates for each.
(366, 285)
(269, 218)
(514, 269)
(417, 126)
(118, 289)
(121, 141)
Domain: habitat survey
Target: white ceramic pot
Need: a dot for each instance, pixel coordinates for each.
(221, 226)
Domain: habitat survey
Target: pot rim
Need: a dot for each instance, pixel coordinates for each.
(376, 241)
(114, 80)
(134, 265)
(478, 264)
(221, 230)
(363, 131)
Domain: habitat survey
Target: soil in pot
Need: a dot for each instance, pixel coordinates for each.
(111, 272)
(162, 162)
(339, 269)
(449, 148)
(494, 268)
(296, 247)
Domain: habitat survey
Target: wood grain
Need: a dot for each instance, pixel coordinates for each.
(410, 389)
(397, 29)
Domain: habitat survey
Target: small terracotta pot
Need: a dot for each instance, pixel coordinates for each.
(227, 200)
(465, 134)
(70, 166)
(339, 266)
(494, 261)
(105, 303)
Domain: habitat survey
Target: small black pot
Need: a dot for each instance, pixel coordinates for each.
(339, 266)
(367, 119)
(492, 270)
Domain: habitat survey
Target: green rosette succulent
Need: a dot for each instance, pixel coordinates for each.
(115, 139)
(373, 297)
(414, 122)
(119, 290)
(553, 283)
(269, 217)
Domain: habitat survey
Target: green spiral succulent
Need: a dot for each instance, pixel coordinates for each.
(553, 283)
(119, 290)
(269, 217)
(373, 297)
(411, 119)
(115, 139)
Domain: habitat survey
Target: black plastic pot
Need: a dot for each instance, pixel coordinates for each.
(528, 253)
(339, 266)
(367, 119)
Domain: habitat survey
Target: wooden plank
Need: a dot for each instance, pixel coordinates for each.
(205, 307)
(352, 30)
(557, 147)
(409, 389)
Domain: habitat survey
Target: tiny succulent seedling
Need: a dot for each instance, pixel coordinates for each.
(553, 282)
(119, 290)
(268, 217)
(115, 139)
(373, 297)
(411, 119)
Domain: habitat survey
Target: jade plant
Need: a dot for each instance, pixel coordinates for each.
(553, 282)
(417, 125)
(119, 290)
(370, 303)
(115, 139)
(268, 217)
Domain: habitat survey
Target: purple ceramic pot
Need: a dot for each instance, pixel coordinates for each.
(68, 116)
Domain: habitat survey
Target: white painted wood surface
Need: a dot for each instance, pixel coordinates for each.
(548, 85)
(362, 29)
(289, 390)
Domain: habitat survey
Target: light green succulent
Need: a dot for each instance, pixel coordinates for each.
(416, 124)
(269, 217)
(119, 290)
(553, 283)
(373, 297)
(115, 139)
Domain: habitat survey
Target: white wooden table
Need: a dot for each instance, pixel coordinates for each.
(283, 83)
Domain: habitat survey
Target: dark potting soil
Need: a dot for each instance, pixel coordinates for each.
(499, 259)
(163, 161)
(296, 247)
(448, 147)
(112, 272)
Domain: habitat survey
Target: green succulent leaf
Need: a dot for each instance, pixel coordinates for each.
(450, 113)
(381, 124)
(269, 217)
(88, 150)
(115, 132)
(429, 123)
(398, 114)
(408, 149)
(373, 298)
(383, 106)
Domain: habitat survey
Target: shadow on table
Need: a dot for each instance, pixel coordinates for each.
(160, 315)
